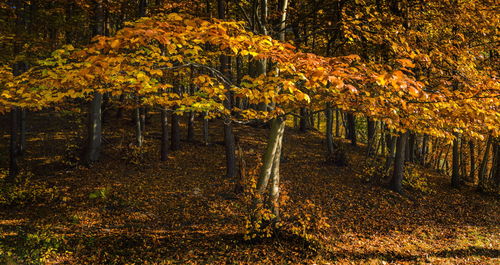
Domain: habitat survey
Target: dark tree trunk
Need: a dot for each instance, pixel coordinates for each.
(472, 174)
(22, 131)
(142, 115)
(423, 152)
(398, 173)
(230, 151)
(496, 165)
(176, 133)
(371, 134)
(411, 147)
(392, 151)
(351, 124)
(455, 175)
(94, 135)
(138, 127)
(303, 120)
(229, 140)
(94, 140)
(206, 138)
(329, 125)
(14, 134)
(337, 123)
(190, 127)
(164, 135)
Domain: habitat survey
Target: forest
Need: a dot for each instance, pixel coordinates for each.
(249, 132)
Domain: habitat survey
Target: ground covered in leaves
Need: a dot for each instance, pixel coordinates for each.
(132, 209)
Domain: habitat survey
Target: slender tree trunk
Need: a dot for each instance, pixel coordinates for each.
(275, 179)
(337, 123)
(303, 120)
(370, 133)
(176, 134)
(164, 135)
(206, 138)
(138, 130)
(276, 132)
(425, 141)
(496, 165)
(472, 174)
(94, 135)
(351, 123)
(484, 165)
(14, 134)
(392, 152)
(22, 131)
(397, 175)
(411, 147)
(142, 116)
(229, 140)
(455, 175)
(190, 127)
(329, 125)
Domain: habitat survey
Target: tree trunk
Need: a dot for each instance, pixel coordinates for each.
(397, 175)
(14, 134)
(496, 165)
(455, 175)
(138, 130)
(303, 120)
(206, 138)
(275, 179)
(142, 116)
(22, 131)
(392, 152)
(472, 174)
(94, 135)
(176, 134)
(329, 125)
(229, 141)
(164, 135)
(351, 124)
(190, 127)
(371, 134)
(337, 123)
(424, 150)
(411, 147)
(484, 165)
(273, 143)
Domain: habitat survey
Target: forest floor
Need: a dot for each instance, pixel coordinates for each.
(130, 208)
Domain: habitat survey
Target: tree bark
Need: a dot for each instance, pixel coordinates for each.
(303, 120)
(138, 127)
(14, 133)
(176, 134)
(472, 174)
(484, 165)
(273, 143)
(392, 152)
(398, 173)
(229, 140)
(329, 125)
(371, 134)
(206, 138)
(94, 135)
(190, 127)
(337, 123)
(455, 175)
(351, 123)
(22, 131)
(164, 135)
